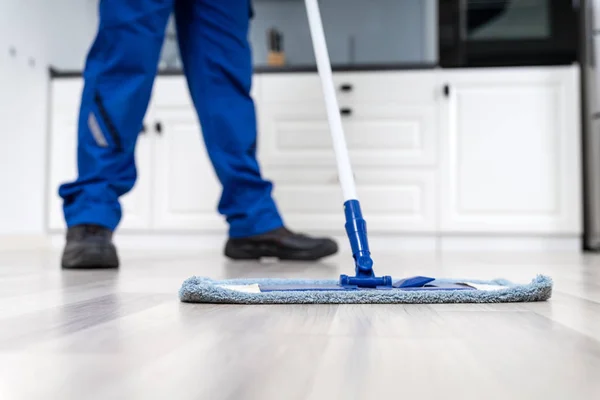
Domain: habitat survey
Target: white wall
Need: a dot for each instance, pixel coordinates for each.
(58, 31)
(33, 35)
(71, 30)
(23, 93)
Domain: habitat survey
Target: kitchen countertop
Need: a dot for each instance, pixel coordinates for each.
(265, 69)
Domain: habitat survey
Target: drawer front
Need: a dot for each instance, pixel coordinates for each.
(414, 87)
(392, 201)
(173, 91)
(376, 135)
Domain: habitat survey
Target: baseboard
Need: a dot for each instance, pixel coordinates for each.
(510, 243)
(137, 241)
(24, 242)
(399, 243)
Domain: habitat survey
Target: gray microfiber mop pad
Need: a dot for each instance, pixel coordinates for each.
(205, 290)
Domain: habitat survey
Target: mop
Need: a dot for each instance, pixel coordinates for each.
(364, 287)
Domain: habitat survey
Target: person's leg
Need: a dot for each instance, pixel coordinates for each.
(119, 73)
(217, 59)
(217, 64)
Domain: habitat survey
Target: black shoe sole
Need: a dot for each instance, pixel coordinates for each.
(256, 252)
(78, 256)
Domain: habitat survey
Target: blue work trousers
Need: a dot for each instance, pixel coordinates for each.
(119, 73)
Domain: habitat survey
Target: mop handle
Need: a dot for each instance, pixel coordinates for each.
(333, 114)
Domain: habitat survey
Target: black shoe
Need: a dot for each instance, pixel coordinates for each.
(282, 244)
(89, 246)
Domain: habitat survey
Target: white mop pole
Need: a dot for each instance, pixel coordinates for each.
(333, 112)
(356, 227)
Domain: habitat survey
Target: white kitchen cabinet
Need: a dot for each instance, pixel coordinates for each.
(185, 190)
(389, 119)
(498, 155)
(390, 124)
(510, 151)
(177, 189)
(65, 100)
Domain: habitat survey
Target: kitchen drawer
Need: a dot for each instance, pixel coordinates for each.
(393, 200)
(290, 88)
(172, 91)
(415, 87)
(376, 135)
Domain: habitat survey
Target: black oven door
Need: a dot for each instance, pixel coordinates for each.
(507, 32)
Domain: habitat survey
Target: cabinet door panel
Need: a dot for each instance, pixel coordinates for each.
(376, 135)
(511, 151)
(310, 198)
(186, 190)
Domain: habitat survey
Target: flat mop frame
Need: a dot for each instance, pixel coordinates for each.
(356, 226)
(363, 287)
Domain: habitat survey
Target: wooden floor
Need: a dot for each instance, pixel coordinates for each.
(124, 335)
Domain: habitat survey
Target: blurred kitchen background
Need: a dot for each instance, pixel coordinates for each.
(382, 32)
(358, 32)
(482, 115)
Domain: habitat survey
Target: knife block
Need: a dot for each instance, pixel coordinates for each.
(276, 59)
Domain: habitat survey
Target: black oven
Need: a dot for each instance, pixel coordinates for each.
(478, 33)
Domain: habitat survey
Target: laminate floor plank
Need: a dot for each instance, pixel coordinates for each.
(124, 334)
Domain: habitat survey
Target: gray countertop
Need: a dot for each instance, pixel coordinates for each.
(265, 69)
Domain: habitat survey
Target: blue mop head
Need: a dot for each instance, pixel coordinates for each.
(248, 291)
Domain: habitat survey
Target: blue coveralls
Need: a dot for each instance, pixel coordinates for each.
(119, 73)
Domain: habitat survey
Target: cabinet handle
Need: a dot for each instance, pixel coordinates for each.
(447, 90)
(346, 111)
(158, 128)
(346, 87)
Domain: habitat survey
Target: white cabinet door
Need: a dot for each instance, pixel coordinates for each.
(510, 151)
(65, 100)
(186, 189)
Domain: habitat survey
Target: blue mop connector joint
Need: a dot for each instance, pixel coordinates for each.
(356, 228)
